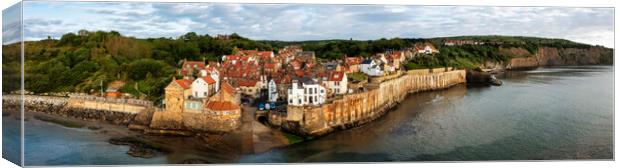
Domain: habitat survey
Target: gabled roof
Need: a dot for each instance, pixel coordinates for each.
(226, 87)
(222, 105)
(184, 83)
(208, 79)
(421, 46)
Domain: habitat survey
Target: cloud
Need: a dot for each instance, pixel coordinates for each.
(11, 25)
(313, 22)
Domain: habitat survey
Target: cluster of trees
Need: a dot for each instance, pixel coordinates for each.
(336, 49)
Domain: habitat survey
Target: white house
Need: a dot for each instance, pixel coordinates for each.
(337, 82)
(272, 91)
(306, 91)
(371, 68)
(425, 48)
(213, 73)
(203, 87)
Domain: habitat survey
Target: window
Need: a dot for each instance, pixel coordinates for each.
(290, 101)
(299, 100)
(204, 93)
(311, 100)
(315, 90)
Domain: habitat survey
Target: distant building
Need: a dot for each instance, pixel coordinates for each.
(371, 68)
(425, 48)
(306, 91)
(113, 89)
(448, 42)
(190, 68)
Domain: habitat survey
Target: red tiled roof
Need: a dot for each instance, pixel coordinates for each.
(198, 64)
(421, 46)
(184, 83)
(231, 57)
(208, 79)
(299, 73)
(336, 76)
(264, 53)
(270, 65)
(248, 83)
(353, 60)
(227, 88)
(222, 105)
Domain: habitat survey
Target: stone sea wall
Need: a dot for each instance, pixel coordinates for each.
(108, 104)
(355, 109)
(58, 106)
(166, 122)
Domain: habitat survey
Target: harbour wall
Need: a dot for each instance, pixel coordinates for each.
(354, 109)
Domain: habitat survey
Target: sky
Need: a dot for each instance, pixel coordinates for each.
(292, 22)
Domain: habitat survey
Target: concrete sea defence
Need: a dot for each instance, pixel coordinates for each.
(355, 109)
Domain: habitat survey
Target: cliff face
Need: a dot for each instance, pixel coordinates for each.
(549, 56)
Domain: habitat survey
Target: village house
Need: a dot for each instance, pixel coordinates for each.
(283, 82)
(190, 68)
(176, 93)
(306, 91)
(272, 91)
(226, 93)
(113, 89)
(371, 68)
(425, 48)
(249, 87)
(395, 58)
(203, 87)
(337, 82)
(224, 105)
(211, 71)
(352, 64)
